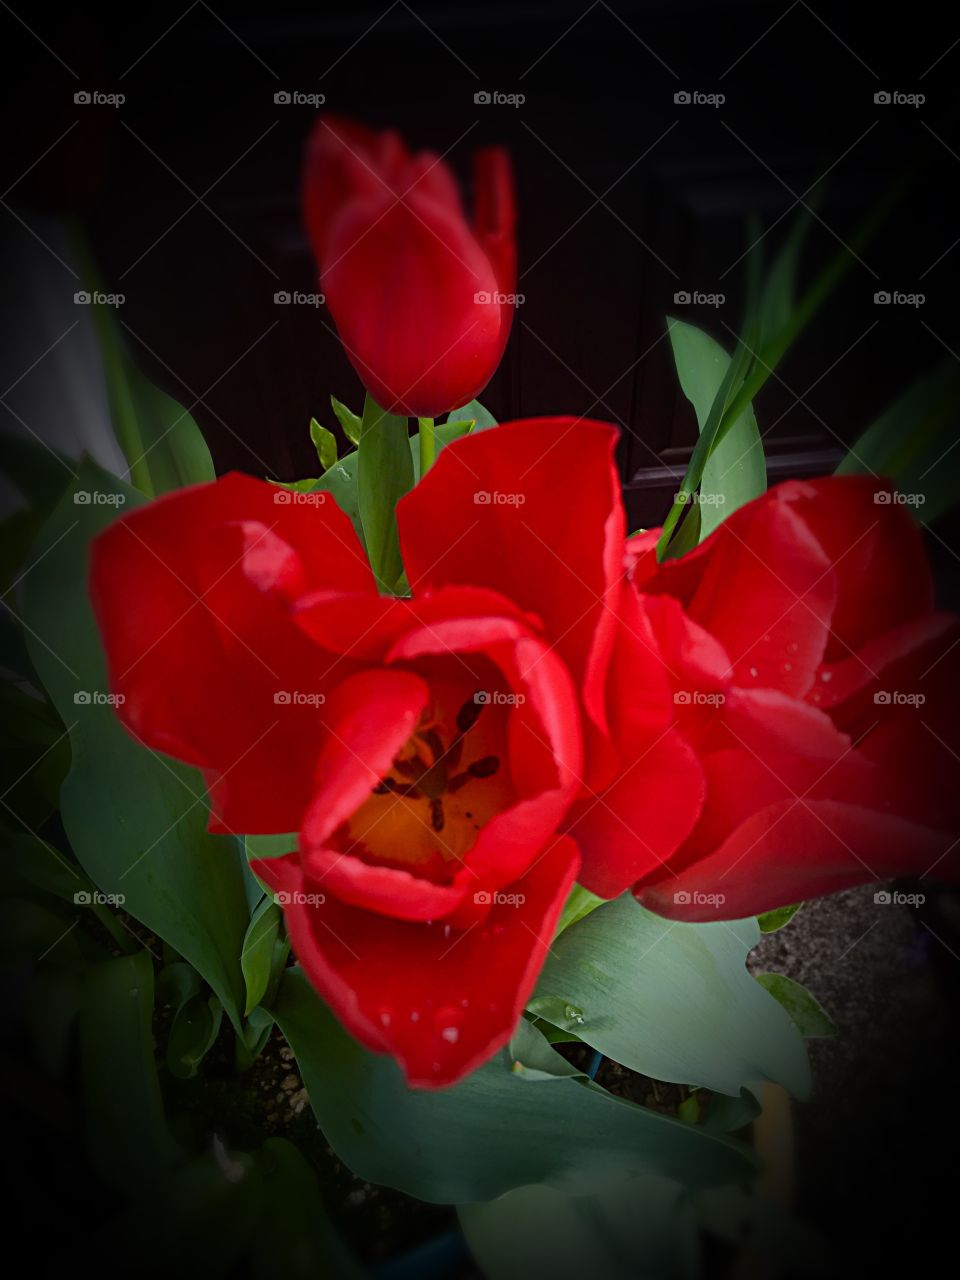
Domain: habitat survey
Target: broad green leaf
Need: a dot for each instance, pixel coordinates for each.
(257, 955)
(771, 921)
(808, 1014)
(297, 1240)
(532, 1058)
(136, 821)
(325, 443)
(130, 1144)
(384, 474)
(735, 471)
(483, 418)
(490, 1133)
(341, 483)
(670, 1000)
(349, 421)
(644, 1227)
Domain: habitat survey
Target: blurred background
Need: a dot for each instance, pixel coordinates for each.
(646, 134)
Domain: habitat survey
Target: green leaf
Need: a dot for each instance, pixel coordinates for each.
(130, 1144)
(325, 443)
(257, 955)
(384, 474)
(348, 420)
(670, 1000)
(164, 447)
(809, 1016)
(735, 471)
(39, 473)
(195, 1027)
(297, 1241)
(771, 325)
(644, 1227)
(580, 902)
(491, 1132)
(444, 433)
(136, 821)
(771, 921)
(915, 443)
(483, 418)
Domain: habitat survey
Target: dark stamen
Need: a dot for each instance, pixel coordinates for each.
(458, 781)
(434, 742)
(469, 713)
(484, 768)
(390, 786)
(411, 768)
(436, 814)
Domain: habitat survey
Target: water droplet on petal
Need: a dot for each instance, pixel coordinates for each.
(826, 676)
(450, 1034)
(754, 672)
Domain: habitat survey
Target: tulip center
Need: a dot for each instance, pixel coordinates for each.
(446, 782)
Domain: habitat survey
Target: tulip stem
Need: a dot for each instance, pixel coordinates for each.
(428, 445)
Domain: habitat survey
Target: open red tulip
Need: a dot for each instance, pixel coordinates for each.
(422, 300)
(816, 684)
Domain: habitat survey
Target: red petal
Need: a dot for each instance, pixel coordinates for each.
(519, 519)
(441, 1000)
(192, 596)
(789, 852)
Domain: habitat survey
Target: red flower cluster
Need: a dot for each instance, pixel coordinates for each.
(423, 302)
(725, 733)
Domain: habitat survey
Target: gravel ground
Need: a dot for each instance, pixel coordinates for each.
(875, 1160)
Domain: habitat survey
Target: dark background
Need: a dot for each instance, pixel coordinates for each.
(189, 192)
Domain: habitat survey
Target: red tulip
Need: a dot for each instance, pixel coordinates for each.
(816, 685)
(418, 295)
(427, 750)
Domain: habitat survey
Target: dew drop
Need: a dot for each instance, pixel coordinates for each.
(826, 676)
(414, 1016)
(754, 672)
(450, 1034)
(788, 666)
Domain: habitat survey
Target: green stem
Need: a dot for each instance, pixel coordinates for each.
(428, 445)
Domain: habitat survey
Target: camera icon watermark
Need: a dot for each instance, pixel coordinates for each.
(494, 98)
(86, 898)
(96, 98)
(294, 98)
(295, 698)
(698, 698)
(486, 298)
(84, 298)
(294, 298)
(488, 498)
(97, 698)
(896, 98)
(294, 498)
(497, 698)
(694, 898)
(695, 98)
(694, 298)
(97, 498)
